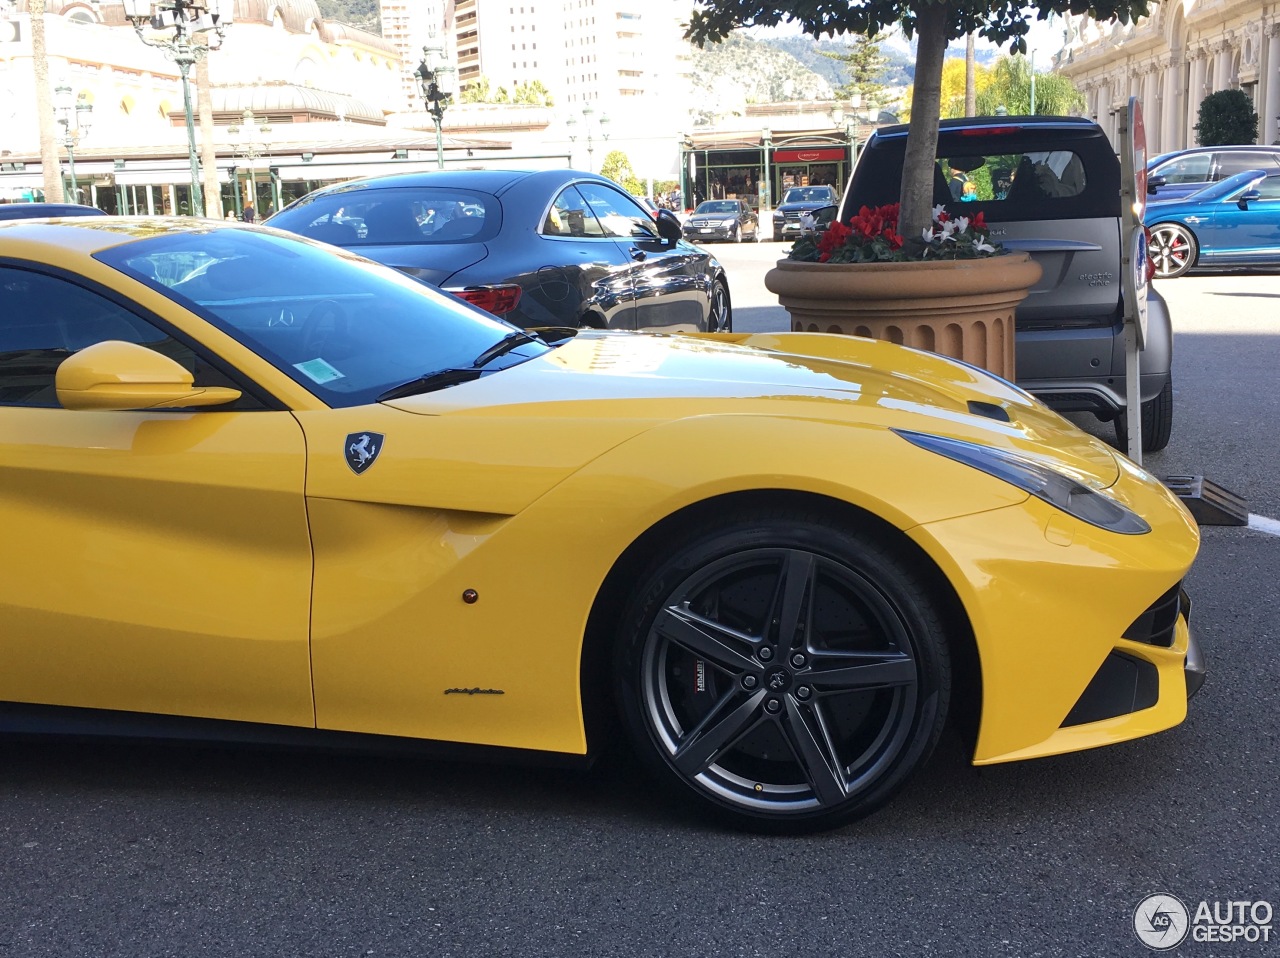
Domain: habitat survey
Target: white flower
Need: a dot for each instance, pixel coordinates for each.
(927, 235)
(982, 246)
(937, 213)
(962, 224)
(950, 227)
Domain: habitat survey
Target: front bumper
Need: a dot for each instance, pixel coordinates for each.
(1194, 668)
(696, 234)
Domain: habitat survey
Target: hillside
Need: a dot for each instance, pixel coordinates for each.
(362, 14)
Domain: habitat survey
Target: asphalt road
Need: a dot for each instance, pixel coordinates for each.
(143, 850)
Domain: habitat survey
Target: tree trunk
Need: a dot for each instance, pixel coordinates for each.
(916, 213)
(208, 151)
(970, 90)
(49, 161)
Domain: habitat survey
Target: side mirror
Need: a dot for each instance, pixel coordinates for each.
(1247, 197)
(824, 217)
(1154, 183)
(120, 375)
(669, 226)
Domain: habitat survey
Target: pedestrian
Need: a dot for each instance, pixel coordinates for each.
(248, 215)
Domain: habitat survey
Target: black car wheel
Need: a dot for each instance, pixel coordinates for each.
(737, 233)
(1157, 422)
(720, 316)
(1173, 250)
(789, 673)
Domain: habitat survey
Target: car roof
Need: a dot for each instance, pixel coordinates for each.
(10, 211)
(53, 239)
(486, 181)
(997, 123)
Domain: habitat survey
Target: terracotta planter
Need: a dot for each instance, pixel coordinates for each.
(959, 308)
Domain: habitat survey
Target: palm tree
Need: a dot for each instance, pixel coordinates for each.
(49, 161)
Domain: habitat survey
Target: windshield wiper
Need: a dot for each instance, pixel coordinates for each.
(431, 381)
(451, 376)
(503, 346)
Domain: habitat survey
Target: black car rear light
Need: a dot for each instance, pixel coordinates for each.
(498, 298)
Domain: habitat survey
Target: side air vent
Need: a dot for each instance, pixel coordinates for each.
(1155, 626)
(1123, 684)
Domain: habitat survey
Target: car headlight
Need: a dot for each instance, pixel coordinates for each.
(1059, 490)
(728, 222)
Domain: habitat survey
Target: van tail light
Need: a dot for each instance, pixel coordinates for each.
(1151, 263)
(498, 298)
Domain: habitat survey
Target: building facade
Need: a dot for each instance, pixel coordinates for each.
(1172, 59)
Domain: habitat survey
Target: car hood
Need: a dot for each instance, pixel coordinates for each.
(611, 386)
(805, 207)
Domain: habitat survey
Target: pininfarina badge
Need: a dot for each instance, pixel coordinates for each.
(362, 449)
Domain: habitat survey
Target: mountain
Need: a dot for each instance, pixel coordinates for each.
(362, 14)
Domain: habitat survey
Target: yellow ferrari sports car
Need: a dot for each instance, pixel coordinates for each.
(259, 489)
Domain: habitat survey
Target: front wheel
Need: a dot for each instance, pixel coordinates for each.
(1173, 250)
(720, 313)
(787, 673)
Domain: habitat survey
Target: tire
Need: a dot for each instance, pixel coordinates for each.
(737, 233)
(1173, 249)
(734, 678)
(1157, 422)
(720, 318)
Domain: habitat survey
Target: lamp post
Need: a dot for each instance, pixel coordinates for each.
(602, 127)
(73, 115)
(185, 18)
(435, 79)
(246, 144)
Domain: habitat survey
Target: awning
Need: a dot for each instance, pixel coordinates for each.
(180, 177)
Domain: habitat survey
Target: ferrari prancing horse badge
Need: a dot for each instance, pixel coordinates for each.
(362, 449)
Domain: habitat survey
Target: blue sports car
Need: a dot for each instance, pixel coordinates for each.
(1232, 223)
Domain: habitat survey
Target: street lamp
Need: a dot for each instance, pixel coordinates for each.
(73, 115)
(185, 18)
(602, 125)
(435, 78)
(245, 143)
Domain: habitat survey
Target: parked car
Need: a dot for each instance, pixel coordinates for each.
(1183, 172)
(269, 491)
(1049, 186)
(539, 248)
(798, 202)
(17, 211)
(731, 220)
(1232, 223)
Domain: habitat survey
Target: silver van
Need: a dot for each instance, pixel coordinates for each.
(1049, 186)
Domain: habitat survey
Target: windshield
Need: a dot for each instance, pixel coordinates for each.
(718, 206)
(809, 194)
(392, 216)
(1224, 189)
(342, 327)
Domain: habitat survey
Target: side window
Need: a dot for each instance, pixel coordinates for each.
(618, 213)
(1269, 188)
(1229, 164)
(571, 216)
(44, 319)
(1185, 169)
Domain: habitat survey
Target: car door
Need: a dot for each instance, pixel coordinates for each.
(586, 275)
(669, 279)
(153, 561)
(1240, 236)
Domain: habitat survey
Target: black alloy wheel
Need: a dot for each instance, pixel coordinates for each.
(788, 673)
(1173, 250)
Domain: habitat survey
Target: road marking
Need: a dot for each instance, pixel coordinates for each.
(1263, 524)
